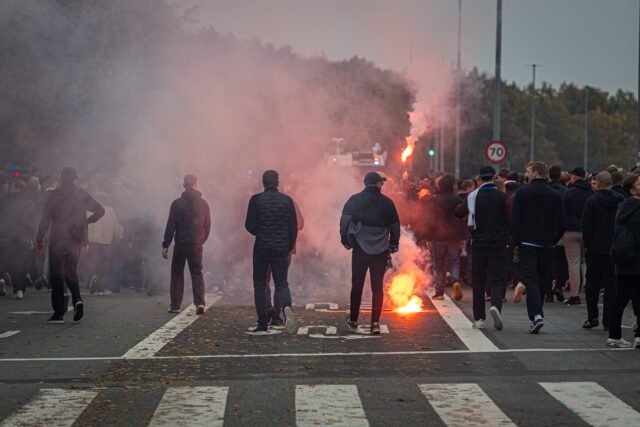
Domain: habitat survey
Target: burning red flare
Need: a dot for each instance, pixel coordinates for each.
(402, 292)
(408, 151)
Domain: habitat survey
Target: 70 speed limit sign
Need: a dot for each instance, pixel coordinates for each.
(496, 152)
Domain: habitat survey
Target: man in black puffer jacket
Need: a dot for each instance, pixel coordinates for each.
(189, 224)
(271, 217)
(598, 220)
(574, 200)
(370, 226)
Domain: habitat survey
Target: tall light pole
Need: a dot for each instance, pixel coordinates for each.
(532, 144)
(638, 105)
(458, 83)
(498, 90)
(585, 162)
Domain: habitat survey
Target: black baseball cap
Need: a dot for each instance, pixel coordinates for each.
(578, 171)
(372, 178)
(487, 172)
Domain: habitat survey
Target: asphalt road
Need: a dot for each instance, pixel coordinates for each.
(129, 362)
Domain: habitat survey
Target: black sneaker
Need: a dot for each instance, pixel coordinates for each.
(78, 311)
(559, 294)
(173, 310)
(590, 324)
(353, 326)
(375, 328)
(38, 283)
(536, 326)
(200, 309)
(260, 330)
(55, 319)
(573, 301)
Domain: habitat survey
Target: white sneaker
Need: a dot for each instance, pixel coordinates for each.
(290, 321)
(18, 295)
(517, 294)
(3, 288)
(497, 318)
(621, 343)
(478, 324)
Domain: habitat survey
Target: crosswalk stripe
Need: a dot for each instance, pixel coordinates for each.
(53, 407)
(153, 343)
(193, 406)
(593, 403)
(335, 405)
(464, 405)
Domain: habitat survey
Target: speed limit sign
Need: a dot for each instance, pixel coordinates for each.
(496, 152)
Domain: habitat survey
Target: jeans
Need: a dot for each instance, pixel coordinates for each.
(276, 304)
(443, 251)
(599, 273)
(183, 253)
(536, 266)
(574, 248)
(487, 266)
(279, 264)
(361, 262)
(628, 287)
(63, 265)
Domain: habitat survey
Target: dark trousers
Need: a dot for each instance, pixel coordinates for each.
(182, 254)
(63, 266)
(599, 274)
(276, 304)
(628, 287)
(536, 266)
(19, 263)
(443, 252)
(99, 262)
(279, 264)
(487, 266)
(361, 262)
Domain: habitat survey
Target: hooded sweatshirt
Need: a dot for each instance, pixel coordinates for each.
(629, 216)
(598, 221)
(574, 199)
(189, 220)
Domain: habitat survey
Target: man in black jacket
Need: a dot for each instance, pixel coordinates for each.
(537, 223)
(598, 221)
(271, 217)
(370, 226)
(574, 199)
(66, 213)
(447, 235)
(189, 224)
(486, 208)
(560, 266)
(617, 178)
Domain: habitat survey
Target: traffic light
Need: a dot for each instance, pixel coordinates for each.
(431, 152)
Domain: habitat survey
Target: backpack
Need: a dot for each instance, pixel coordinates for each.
(623, 247)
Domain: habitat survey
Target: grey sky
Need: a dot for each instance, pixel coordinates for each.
(592, 42)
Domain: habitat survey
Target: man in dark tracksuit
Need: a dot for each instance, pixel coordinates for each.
(190, 224)
(537, 224)
(598, 221)
(66, 213)
(271, 217)
(370, 226)
(486, 208)
(20, 231)
(560, 267)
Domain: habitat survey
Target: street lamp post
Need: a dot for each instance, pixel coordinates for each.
(532, 145)
(585, 159)
(498, 90)
(458, 83)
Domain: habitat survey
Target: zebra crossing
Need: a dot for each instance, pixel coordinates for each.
(456, 404)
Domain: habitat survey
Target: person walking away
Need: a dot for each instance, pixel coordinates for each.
(537, 224)
(625, 254)
(20, 225)
(560, 268)
(271, 218)
(370, 227)
(486, 209)
(66, 213)
(598, 220)
(574, 200)
(189, 224)
(447, 234)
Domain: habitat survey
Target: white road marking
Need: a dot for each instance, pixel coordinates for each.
(8, 334)
(70, 308)
(474, 339)
(193, 406)
(153, 343)
(331, 305)
(328, 330)
(366, 329)
(335, 405)
(54, 407)
(336, 354)
(464, 405)
(593, 403)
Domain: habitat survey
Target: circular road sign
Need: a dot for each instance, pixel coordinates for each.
(496, 152)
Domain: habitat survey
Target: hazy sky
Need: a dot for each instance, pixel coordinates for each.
(592, 42)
